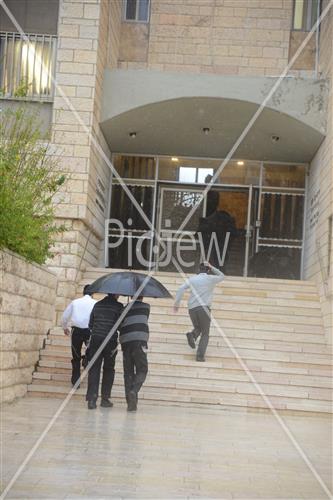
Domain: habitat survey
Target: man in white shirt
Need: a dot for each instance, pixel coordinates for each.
(201, 286)
(75, 322)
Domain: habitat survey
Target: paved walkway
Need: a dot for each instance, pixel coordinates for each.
(161, 452)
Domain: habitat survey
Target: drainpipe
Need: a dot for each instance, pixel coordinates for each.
(317, 43)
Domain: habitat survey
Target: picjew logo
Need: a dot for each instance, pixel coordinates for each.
(168, 245)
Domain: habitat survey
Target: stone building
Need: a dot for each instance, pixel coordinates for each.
(161, 93)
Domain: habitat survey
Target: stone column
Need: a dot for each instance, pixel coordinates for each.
(81, 57)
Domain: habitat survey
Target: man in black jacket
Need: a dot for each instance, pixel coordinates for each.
(133, 337)
(102, 319)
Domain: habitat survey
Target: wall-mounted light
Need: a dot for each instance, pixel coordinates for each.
(240, 162)
(206, 130)
(174, 159)
(132, 135)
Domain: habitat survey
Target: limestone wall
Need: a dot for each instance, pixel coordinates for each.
(82, 53)
(27, 312)
(229, 37)
(318, 258)
(114, 32)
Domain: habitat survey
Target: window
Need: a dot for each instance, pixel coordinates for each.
(305, 14)
(137, 10)
(27, 65)
(193, 174)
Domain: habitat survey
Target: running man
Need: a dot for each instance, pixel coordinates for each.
(199, 303)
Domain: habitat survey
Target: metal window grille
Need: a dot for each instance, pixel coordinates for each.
(27, 65)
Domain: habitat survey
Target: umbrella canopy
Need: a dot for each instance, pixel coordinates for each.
(127, 283)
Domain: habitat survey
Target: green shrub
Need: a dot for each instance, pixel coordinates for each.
(28, 181)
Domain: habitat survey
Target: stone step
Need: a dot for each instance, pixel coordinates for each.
(223, 290)
(232, 333)
(188, 363)
(249, 282)
(245, 302)
(203, 374)
(200, 397)
(241, 324)
(216, 353)
(226, 386)
(262, 307)
(167, 314)
(217, 341)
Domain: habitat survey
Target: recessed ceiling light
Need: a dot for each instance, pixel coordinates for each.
(132, 135)
(240, 163)
(206, 130)
(174, 159)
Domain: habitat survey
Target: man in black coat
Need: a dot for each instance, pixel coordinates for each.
(133, 337)
(103, 317)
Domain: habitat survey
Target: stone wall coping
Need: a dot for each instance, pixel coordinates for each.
(43, 267)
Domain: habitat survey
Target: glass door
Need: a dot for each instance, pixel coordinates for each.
(178, 207)
(219, 228)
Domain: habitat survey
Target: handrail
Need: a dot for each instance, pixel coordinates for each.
(83, 254)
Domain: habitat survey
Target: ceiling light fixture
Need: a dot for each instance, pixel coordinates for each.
(132, 135)
(174, 159)
(240, 163)
(206, 130)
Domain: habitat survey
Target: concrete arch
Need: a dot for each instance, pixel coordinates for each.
(175, 126)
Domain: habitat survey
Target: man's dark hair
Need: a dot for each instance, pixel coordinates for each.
(86, 290)
(203, 268)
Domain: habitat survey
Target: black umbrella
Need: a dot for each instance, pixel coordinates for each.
(127, 283)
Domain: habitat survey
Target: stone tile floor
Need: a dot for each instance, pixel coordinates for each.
(162, 452)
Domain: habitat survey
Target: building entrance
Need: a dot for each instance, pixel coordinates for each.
(217, 228)
(250, 223)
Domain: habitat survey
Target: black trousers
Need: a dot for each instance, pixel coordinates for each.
(79, 337)
(135, 364)
(200, 317)
(108, 358)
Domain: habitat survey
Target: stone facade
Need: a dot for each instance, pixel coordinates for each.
(229, 37)
(77, 140)
(319, 231)
(28, 293)
(115, 13)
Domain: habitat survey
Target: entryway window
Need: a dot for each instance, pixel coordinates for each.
(137, 10)
(193, 174)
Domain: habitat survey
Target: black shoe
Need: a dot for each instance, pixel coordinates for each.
(106, 403)
(200, 358)
(92, 405)
(190, 340)
(132, 401)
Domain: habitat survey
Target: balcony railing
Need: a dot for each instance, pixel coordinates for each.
(27, 65)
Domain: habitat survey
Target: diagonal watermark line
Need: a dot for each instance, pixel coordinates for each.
(73, 390)
(258, 112)
(260, 390)
(91, 137)
(101, 151)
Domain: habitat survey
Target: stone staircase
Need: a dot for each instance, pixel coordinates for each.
(274, 325)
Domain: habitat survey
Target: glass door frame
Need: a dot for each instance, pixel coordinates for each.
(254, 231)
(170, 186)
